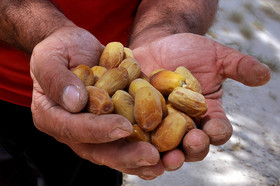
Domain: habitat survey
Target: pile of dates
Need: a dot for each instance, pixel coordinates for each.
(162, 107)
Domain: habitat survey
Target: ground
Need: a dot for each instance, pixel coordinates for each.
(252, 155)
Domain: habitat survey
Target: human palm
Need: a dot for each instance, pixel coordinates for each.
(95, 138)
(211, 63)
(59, 96)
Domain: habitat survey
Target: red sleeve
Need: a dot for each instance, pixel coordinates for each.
(107, 20)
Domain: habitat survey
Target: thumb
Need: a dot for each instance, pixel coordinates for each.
(49, 66)
(243, 68)
(59, 84)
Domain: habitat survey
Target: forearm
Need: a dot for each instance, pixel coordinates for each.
(23, 24)
(160, 18)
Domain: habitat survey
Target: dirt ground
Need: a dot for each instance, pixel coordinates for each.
(252, 155)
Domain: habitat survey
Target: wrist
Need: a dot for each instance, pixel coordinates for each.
(159, 18)
(31, 38)
(146, 36)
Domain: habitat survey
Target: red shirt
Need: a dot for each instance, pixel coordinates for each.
(107, 20)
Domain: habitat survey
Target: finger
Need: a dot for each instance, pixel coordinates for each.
(150, 172)
(196, 145)
(243, 68)
(50, 63)
(79, 128)
(215, 123)
(138, 158)
(173, 160)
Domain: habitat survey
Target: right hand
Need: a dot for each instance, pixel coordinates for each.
(59, 96)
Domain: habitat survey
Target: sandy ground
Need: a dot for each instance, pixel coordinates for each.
(252, 155)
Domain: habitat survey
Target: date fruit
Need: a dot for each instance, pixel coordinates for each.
(147, 108)
(99, 102)
(85, 74)
(124, 105)
(190, 102)
(112, 80)
(112, 55)
(171, 131)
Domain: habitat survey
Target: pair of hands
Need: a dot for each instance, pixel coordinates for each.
(58, 96)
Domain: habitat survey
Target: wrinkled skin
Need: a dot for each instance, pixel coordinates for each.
(58, 96)
(55, 107)
(211, 63)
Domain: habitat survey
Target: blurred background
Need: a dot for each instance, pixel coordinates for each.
(252, 155)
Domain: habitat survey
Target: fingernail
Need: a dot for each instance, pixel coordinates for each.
(71, 97)
(118, 133)
(148, 173)
(147, 177)
(263, 74)
(171, 168)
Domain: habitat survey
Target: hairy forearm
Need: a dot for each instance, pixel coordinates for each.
(159, 18)
(24, 23)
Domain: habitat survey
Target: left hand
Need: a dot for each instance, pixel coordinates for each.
(211, 63)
